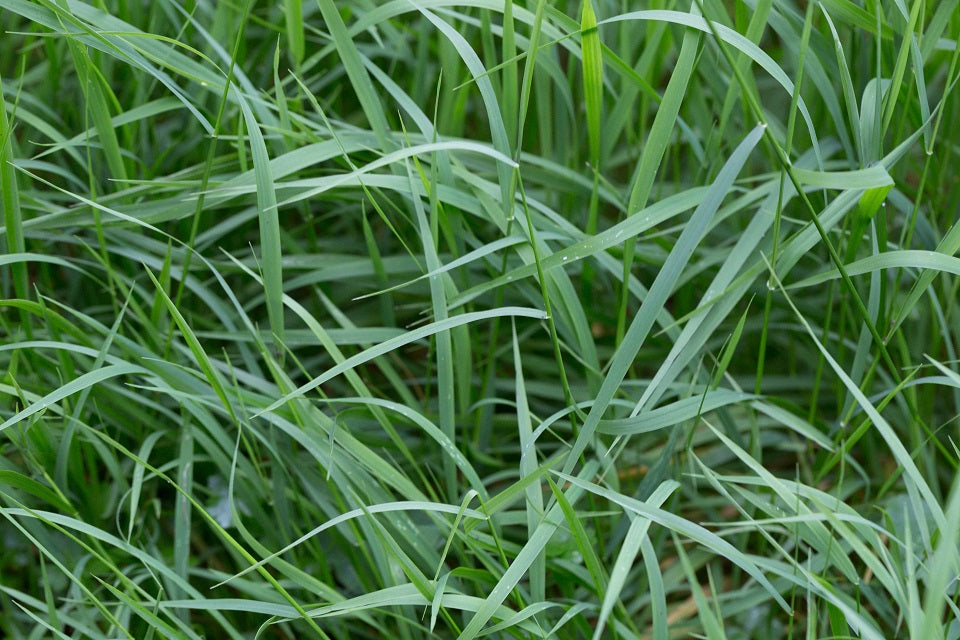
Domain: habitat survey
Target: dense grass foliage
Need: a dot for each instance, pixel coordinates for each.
(479, 318)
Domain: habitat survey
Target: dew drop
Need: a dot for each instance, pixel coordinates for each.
(770, 285)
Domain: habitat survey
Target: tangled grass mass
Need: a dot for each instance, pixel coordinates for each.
(479, 319)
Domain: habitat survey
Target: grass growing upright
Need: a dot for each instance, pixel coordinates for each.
(479, 319)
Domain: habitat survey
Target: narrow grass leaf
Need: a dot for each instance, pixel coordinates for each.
(271, 259)
(592, 79)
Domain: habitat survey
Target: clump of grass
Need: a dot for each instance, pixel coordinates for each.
(507, 319)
